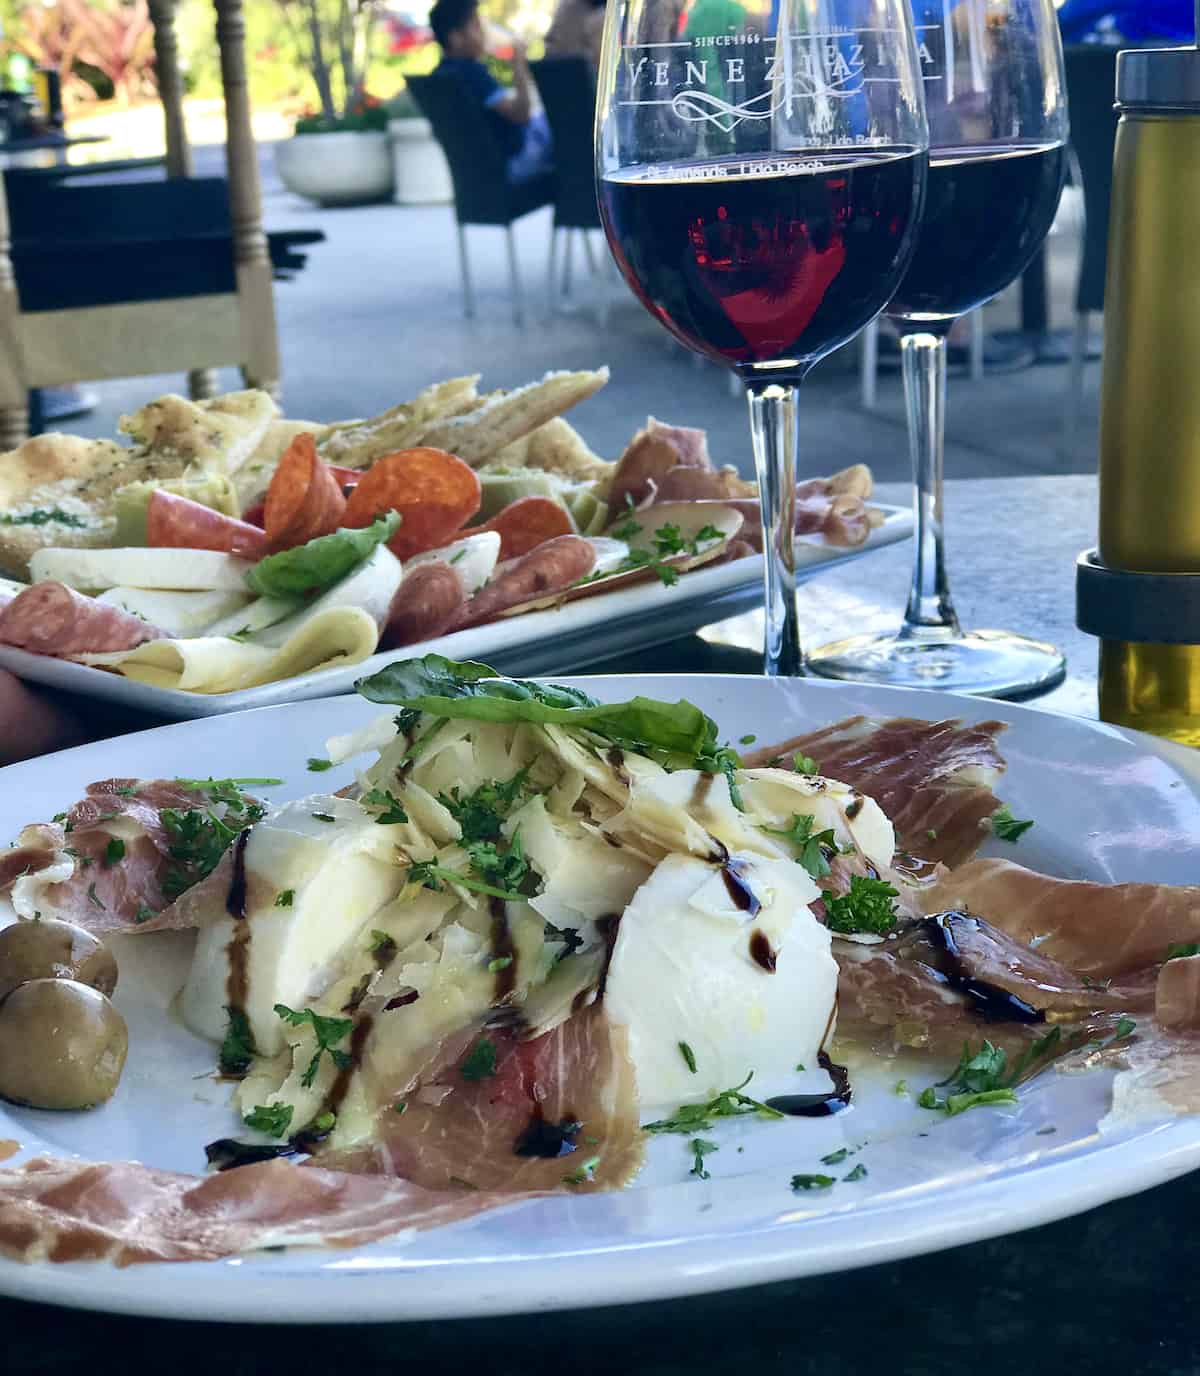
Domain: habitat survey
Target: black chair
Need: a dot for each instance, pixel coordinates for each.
(1091, 89)
(567, 86)
(483, 195)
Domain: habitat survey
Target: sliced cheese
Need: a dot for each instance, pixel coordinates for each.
(474, 558)
(370, 588)
(177, 613)
(185, 570)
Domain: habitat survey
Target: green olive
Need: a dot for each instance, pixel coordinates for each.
(62, 1045)
(48, 949)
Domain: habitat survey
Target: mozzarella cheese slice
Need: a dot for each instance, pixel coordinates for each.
(684, 969)
(474, 557)
(311, 887)
(177, 613)
(184, 570)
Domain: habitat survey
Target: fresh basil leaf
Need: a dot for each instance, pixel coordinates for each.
(320, 563)
(678, 733)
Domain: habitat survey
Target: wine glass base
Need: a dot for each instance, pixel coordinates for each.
(988, 663)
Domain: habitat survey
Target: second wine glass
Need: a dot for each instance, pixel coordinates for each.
(997, 130)
(759, 170)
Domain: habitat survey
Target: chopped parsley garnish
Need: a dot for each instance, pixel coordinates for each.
(324, 817)
(401, 1107)
(584, 1174)
(481, 813)
(805, 764)
(983, 1077)
(747, 740)
(700, 1147)
(858, 1173)
(498, 964)
(835, 1158)
(506, 869)
(812, 1182)
(866, 907)
(380, 942)
(92, 898)
(406, 720)
(43, 516)
(328, 1032)
(114, 852)
(273, 1119)
(457, 555)
(811, 847)
(237, 1050)
(432, 875)
(1124, 1028)
(198, 837)
(144, 914)
(626, 530)
(689, 1056)
(730, 1103)
(1178, 950)
(900, 1087)
(318, 766)
(324, 1122)
(392, 813)
(480, 1062)
(59, 817)
(285, 898)
(800, 1067)
(1006, 826)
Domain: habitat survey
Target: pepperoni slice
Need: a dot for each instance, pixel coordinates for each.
(175, 522)
(425, 603)
(304, 499)
(526, 523)
(52, 619)
(433, 491)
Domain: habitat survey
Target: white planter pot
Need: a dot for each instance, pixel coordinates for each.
(336, 169)
(421, 174)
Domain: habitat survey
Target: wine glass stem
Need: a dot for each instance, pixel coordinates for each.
(930, 613)
(773, 427)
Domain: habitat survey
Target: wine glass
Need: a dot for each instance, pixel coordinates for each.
(760, 168)
(997, 111)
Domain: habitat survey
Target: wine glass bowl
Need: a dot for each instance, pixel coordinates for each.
(996, 106)
(759, 173)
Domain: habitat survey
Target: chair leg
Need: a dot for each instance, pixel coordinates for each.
(203, 383)
(465, 268)
(514, 273)
(1074, 399)
(977, 342)
(568, 258)
(589, 251)
(869, 367)
(552, 272)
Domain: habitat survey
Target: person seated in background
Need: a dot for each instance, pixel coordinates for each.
(520, 128)
(576, 30)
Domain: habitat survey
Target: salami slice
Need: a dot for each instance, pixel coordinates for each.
(424, 605)
(550, 568)
(52, 619)
(176, 522)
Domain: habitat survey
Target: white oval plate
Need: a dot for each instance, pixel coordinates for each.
(1108, 805)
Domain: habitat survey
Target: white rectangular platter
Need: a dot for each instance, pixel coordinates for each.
(546, 642)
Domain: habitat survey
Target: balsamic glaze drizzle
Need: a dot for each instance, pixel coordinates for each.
(818, 1105)
(988, 1000)
(548, 1140)
(761, 950)
(732, 872)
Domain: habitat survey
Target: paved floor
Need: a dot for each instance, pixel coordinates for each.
(378, 314)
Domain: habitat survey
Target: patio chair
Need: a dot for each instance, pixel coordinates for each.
(567, 86)
(1091, 84)
(483, 195)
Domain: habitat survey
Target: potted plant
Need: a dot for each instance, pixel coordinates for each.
(339, 154)
(420, 173)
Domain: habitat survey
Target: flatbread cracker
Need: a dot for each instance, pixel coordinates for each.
(509, 416)
(358, 443)
(556, 447)
(215, 436)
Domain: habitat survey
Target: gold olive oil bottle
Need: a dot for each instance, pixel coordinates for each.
(1150, 400)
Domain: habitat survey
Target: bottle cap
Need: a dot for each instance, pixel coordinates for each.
(1159, 79)
(1145, 608)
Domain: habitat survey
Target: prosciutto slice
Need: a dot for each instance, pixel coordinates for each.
(933, 778)
(649, 457)
(1099, 930)
(493, 1132)
(125, 1212)
(52, 619)
(67, 870)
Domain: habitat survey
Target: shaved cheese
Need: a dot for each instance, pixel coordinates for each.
(185, 570)
(370, 587)
(610, 554)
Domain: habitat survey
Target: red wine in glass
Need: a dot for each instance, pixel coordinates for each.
(774, 264)
(987, 210)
